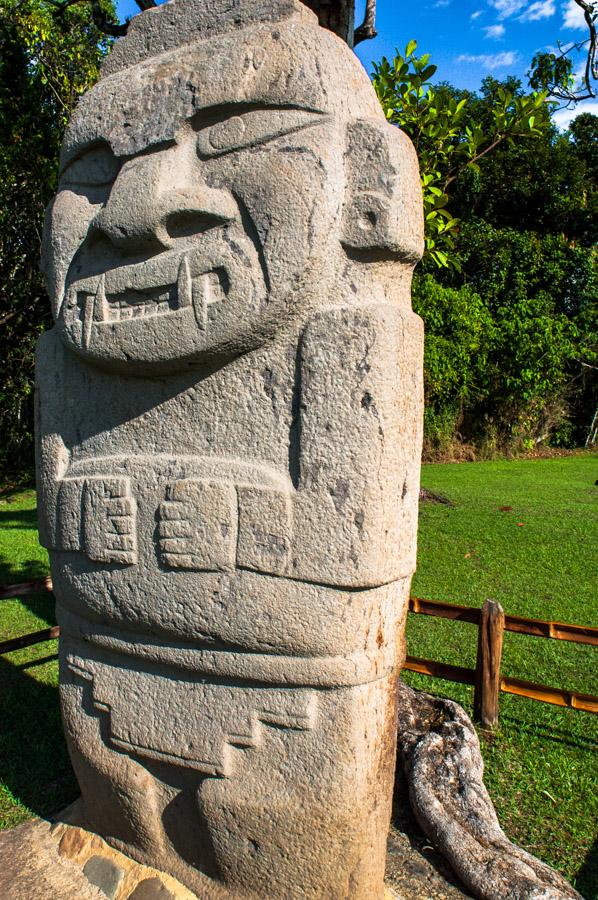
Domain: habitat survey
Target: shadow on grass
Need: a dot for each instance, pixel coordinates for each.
(18, 519)
(15, 487)
(41, 604)
(34, 762)
(586, 880)
(552, 733)
(32, 663)
(26, 570)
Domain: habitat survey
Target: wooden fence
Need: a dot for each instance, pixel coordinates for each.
(486, 678)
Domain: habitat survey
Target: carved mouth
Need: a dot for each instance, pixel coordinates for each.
(200, 292)
(137, 304)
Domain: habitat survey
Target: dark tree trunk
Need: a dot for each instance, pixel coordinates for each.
(337, 15)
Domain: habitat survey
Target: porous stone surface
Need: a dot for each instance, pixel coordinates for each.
(105, 874)
(229, 432)
(439, 751)
(151, 889)
(31, 867)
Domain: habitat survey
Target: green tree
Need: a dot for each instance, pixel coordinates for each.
(48, 57)
(505, 341)
(459, 341)
(548, 185)
(448, 135)
(508, 287)
(541, 292)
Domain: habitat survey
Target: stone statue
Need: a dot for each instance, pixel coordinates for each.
(229, 427)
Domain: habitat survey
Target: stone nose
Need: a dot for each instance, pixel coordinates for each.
(159, 198)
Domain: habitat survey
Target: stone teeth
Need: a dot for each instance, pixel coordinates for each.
(119, 309)
(87, 319)
(208, 291)
(100, 308)
(184, 286)
(200, 300)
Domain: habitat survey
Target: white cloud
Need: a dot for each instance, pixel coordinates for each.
(529, 12)
(476, 15)
(440, 3)
(541, 9)
(507, 8)
(489, 61)
(573, 16)
(495, 32)
(563, 117)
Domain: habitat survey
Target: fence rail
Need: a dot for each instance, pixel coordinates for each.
(27, 640)
(560, 631)
(486, 678)
(11, 591)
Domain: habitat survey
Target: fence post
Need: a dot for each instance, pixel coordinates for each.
(487, 675)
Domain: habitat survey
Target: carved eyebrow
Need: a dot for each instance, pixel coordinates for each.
(78, 151)
(226, 134)
(202, 118)
(210, 115)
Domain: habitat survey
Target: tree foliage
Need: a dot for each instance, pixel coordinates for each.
(447, 134)
(508, 284)
(547, 187)
(540, 292)
(47, 59)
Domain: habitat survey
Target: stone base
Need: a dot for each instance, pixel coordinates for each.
(57, 861)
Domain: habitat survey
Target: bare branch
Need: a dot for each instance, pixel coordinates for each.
(367, 29)
(588, 90)
(100, 19)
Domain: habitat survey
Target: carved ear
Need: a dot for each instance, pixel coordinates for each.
(383, 212)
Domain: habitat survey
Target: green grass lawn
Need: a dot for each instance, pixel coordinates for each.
(541, 766)
(35, 773)
(541, 763)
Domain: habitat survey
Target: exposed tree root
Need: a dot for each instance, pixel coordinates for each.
(440, 754)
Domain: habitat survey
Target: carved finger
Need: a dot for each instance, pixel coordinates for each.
(174, 510)
(175, 528)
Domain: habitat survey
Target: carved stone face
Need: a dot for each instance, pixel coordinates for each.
(194, 238)
(207, 193)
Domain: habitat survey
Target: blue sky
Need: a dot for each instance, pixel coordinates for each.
(469, 39)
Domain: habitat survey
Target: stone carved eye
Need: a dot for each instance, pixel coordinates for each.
(96, 167)
(251, 129)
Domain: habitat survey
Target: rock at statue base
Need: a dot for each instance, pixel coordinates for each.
(229, 431)
(44, 861)
(40, 860)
